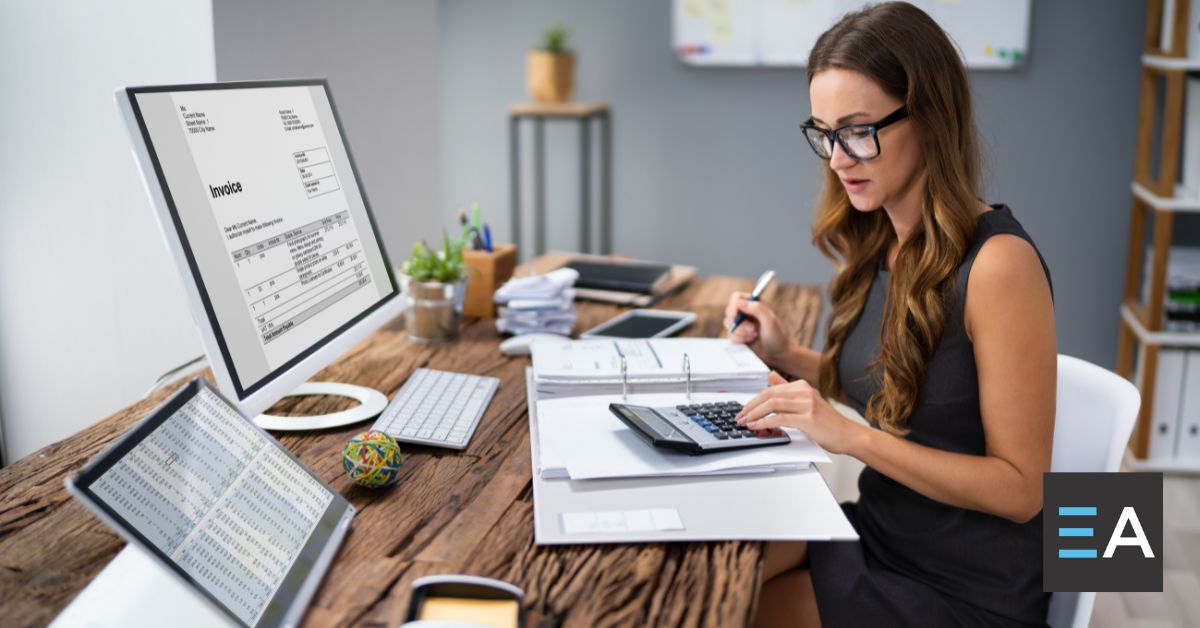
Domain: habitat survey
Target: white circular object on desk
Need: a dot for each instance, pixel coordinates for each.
(371, 401)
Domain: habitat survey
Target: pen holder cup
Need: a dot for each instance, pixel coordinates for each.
(487, 272)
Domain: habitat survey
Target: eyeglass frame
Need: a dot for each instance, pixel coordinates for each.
(834, 137)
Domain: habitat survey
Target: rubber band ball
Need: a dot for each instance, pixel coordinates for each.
(372, 459)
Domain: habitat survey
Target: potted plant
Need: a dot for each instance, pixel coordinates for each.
(434, 285)
(550, 69)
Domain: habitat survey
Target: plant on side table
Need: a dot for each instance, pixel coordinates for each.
(550, 69)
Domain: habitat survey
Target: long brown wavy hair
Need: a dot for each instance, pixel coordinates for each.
(909, 56)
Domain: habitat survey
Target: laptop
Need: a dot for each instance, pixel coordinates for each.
(222, 505)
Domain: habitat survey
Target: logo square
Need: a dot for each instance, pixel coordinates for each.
(1102, 532)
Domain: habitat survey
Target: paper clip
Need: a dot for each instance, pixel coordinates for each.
(687, 371)
(624, 380)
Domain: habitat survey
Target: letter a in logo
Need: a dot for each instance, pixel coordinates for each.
(1128, 515)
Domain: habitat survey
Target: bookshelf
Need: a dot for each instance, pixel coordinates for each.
(1161, 109)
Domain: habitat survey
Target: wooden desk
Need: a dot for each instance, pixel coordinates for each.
(468, 512)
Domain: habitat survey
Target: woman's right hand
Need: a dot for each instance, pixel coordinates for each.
(760, 330)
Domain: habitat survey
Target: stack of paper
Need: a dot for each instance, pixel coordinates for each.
(579, 438)
(657, 365)
(538, 304)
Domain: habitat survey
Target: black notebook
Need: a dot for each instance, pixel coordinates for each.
(644, 278)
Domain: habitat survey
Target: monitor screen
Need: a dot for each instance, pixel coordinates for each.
(271, 214)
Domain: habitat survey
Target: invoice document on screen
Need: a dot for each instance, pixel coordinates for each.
(263, 187)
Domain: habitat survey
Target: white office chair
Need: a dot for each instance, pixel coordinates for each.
(1094, 417)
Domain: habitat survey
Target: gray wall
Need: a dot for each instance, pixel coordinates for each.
(710, 169)
(381, 59)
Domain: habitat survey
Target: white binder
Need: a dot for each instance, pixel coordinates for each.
(1189, 415)
(1168, 396)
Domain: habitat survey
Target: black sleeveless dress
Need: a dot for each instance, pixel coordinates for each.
(920, 562)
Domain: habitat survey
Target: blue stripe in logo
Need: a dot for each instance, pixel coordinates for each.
(1076, 553)
(1075, 532)
(1077, 511)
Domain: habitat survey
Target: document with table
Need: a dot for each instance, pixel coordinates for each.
(594, 481)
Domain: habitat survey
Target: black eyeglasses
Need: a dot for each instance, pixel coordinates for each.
(859, 141)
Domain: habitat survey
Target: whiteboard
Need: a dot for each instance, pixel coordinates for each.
(992, 34)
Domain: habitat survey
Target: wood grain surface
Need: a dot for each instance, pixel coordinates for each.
(451, 512)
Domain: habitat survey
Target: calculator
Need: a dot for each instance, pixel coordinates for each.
(701, 428)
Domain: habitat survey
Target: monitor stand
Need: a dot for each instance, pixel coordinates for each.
(371, 403)
(134, 590)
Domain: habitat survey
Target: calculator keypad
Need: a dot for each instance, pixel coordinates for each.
(718, 420)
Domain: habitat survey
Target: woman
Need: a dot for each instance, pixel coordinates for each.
(941, 334)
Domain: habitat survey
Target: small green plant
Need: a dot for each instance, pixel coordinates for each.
(555, 39)
(445, 266)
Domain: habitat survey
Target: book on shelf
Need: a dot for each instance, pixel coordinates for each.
(1181, 299)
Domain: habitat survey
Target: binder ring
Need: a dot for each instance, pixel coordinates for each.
(687, 371)
(624, 379)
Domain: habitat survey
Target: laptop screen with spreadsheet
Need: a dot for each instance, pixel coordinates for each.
(220, 503)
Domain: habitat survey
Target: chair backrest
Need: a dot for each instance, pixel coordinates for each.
(1093, 419)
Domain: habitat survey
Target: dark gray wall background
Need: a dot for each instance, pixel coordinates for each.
(381, 59)
(710, 168)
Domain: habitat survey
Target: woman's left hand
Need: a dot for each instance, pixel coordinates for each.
(798, 405)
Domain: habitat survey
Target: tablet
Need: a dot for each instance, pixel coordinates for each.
(221, 504)
(642, 324)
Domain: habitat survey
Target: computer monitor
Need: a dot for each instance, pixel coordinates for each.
(263, 210)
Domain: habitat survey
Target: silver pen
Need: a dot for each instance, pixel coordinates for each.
(759, 287)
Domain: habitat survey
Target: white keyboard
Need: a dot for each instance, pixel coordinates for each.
(437, 408)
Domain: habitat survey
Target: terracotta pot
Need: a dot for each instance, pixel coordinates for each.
(433, 309)
(550, 76)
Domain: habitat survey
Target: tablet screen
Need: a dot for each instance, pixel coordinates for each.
(219, 501)
(637, 326)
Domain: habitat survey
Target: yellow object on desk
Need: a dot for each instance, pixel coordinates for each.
(498, 613)
(486, 272)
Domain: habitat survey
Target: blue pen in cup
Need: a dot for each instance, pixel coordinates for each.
(759, 288)
(487, 238)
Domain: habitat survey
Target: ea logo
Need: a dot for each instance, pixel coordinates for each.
(1120, 526)
(1127, 521)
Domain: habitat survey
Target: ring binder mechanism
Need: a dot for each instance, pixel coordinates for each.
(624, 379)
(687, 371)
(628, 366)
(687, 374)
